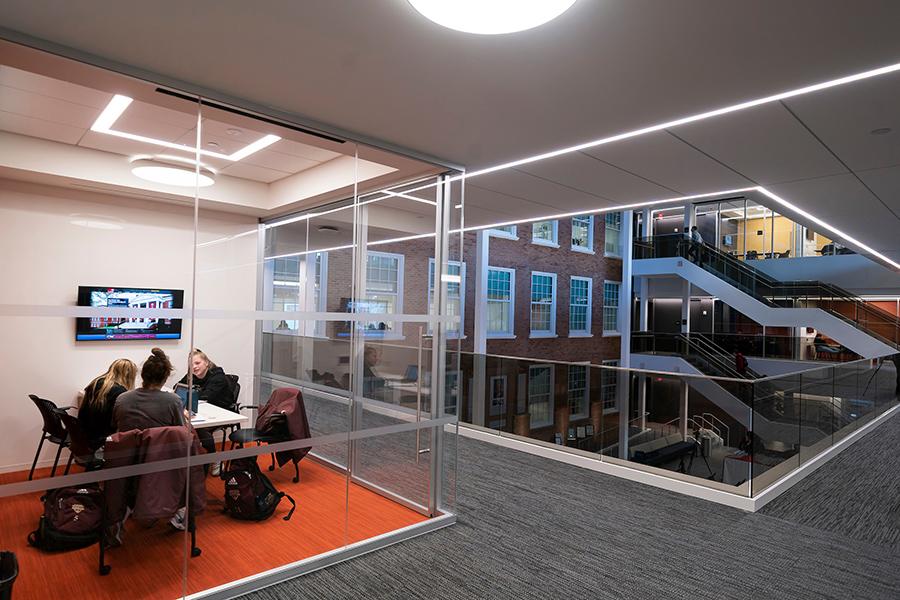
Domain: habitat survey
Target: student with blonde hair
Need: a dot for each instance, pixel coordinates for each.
(96, 411)
(212, 386)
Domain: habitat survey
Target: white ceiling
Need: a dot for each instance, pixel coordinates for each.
(606, 66)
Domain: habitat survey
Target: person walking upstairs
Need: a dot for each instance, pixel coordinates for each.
(696, 243)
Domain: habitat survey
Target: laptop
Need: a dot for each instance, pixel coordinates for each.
(184, 392)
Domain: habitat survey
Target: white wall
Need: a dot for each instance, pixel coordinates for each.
(853, 272)
(45, 257)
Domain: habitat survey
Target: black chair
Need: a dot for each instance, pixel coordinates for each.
(80, 450)
(751, 255)
(53, 430)
(235, 385)
(279, 433)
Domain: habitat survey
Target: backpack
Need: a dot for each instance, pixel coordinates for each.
(72, 518)
(249, 494)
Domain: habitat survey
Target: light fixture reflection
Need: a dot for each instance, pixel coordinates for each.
(161, 171)
(491, 17)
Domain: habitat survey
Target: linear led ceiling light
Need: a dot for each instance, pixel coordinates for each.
(489, 17)
(119, 103)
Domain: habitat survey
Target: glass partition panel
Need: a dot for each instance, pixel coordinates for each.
(97, 235)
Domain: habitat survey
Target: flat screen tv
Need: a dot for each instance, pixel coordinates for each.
(128, 328)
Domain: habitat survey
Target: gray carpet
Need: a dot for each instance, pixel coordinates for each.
(534, 528)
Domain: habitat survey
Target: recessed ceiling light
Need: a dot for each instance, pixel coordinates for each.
(212, 144)
(881, 131)
(119, 103)
(491, 16)
(164, 170)
(327, 229)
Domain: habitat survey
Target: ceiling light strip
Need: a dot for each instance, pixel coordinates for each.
(826, 226)
(119, 103)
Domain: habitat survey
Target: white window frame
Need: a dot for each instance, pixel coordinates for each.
(551, 400)
(459, 334)
(618, 234)
(590, 241)
(551, 333)
(617, 331)
(586, 332)
(512, 234)
(604, 373)
(397, 332)
(511, 307)
(554, 243)
(587, 392)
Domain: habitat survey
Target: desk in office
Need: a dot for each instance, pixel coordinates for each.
(210, 415)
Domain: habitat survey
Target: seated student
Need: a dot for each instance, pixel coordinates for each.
(96, 411)
(149, 406)
(214, 388)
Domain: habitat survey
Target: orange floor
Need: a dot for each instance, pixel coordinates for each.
(150, 564)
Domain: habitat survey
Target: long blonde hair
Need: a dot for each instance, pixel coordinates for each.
(122, 372)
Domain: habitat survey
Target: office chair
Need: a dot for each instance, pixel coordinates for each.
(53, 430)
(751, 255)
(278, 430)
(235, 385)
(80, 450)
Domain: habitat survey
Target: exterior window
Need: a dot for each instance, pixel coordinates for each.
(612, 245)
(579, 400)
(580, 306)
(583, 233)
(608, 384)
(318, 290)
(543, 303)
(500, 300)
(545, 233)
(384, 289)
(285, 291)
(505, 232)
(540, 396)
(456, 294)
(611, 307)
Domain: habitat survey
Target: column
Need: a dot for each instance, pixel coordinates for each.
(479, 360)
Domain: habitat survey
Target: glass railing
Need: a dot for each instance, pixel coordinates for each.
(784, 347)
(796, 294)
(733, 434)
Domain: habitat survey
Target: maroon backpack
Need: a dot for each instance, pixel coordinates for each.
(71, 519)
(249, 494)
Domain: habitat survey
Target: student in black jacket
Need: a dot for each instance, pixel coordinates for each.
(95, 414)
(214, 388)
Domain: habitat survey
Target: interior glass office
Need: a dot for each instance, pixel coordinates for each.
(136, 216)
(747, 230)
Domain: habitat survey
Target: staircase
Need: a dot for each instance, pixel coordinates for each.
(699, 350)
(832, 310)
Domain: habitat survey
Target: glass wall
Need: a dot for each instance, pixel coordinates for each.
(217, 295)
(749, 231)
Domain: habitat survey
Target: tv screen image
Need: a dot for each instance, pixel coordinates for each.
(128, 328)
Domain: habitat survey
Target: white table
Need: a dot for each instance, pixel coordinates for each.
(210, 415)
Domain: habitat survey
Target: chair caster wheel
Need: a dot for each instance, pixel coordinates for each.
(195, 552)
(105, 569)
(296, 480)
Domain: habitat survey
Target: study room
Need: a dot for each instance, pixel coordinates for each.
(212, 381)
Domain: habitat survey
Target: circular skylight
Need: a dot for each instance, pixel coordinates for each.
(491, 16)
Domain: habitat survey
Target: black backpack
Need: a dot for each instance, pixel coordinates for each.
(72, 518)
(249, 495)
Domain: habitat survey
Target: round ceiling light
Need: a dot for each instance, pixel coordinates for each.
(491, 16)
(169, 172)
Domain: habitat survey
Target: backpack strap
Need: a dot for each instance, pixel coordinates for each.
(293, 505)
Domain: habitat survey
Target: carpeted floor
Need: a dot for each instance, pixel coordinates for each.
(533, 528)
